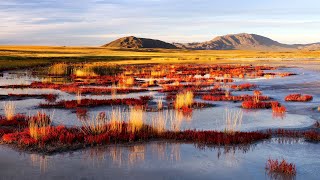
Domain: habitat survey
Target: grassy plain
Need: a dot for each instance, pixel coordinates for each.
(15, 57)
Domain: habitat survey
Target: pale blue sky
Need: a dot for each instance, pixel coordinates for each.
(95, 22)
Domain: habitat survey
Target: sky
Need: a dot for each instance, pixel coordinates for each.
(96, 22)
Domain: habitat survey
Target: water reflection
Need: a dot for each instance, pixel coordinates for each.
(123, 156)
(39, 161)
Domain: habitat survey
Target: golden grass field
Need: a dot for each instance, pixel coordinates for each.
(12, 57)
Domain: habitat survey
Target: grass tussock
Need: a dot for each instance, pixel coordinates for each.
(9, 110)
(184, 99)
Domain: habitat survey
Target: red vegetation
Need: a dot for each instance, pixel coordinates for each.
(18, 120)
(81, 112)
(279, 109)
(242, 87)
(283, 167)
(233, 98)
(259, 105)
(298, 98)
(61, 136)
(142, 101)
(313, 136)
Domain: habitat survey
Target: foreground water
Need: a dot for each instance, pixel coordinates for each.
(159, 160)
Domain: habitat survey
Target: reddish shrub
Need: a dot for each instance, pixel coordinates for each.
(279, 109)
(259, 105)
(233, 98)
(298, 98)
(312, 136)
(283, 167)
(142, 101)
(242, 87)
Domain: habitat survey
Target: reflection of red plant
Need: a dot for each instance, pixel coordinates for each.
(298, 97)
(81, 112)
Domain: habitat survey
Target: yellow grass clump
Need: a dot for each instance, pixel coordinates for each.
(97, 125)
(135, 119)
(58, 69)
(117, 116)
(184, 99)
(39, 126)
(9, 110)
(128, 81)
(159, 122)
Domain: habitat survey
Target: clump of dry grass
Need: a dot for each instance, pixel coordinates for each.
(184, 99)
(58, 69)
(136, 115)
(159, 122)
(117, 116)
(127, 81)
(9, 110)
(176, 119)
(95, 126)
(39, 125)
(233, 120)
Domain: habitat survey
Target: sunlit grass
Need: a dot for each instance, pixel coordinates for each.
(136, 115)
(58, 69)
(39, 125)
(184, 99)
(9, 110)
(95, 126)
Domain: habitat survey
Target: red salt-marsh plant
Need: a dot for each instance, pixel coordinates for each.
(298, 98)
(142, 101)
(259, 105)
(233, 98)
(275, 167)
(102, 133)
(279, 109)
(242, 87)
(312, 136)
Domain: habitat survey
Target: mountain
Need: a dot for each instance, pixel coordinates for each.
(309, 47)
(135, 43)
(237, 41)
(241, 41)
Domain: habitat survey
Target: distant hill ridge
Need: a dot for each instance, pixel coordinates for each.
(135, 42)
(242, 41)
